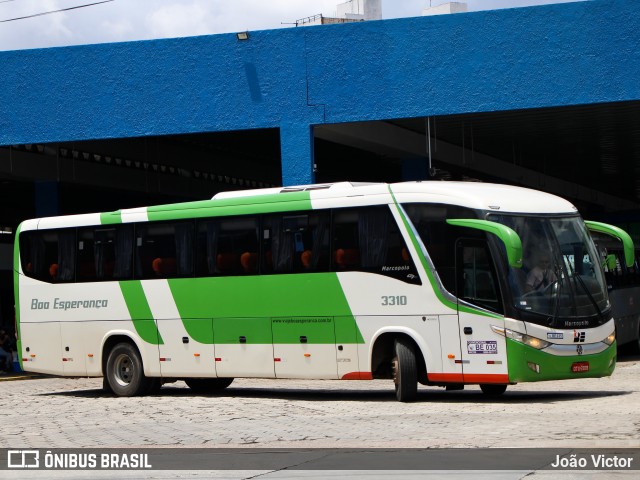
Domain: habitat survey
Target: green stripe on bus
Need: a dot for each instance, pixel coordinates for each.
(278, 303)
(110, 218)
(140, 312)
(279, 202)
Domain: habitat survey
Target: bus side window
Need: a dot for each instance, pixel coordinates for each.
(32, 248)
(295, 242)
(346, 241)
(439, 238)
(164, 250)
(104, 253)
(227, 246)
(89, 255)
(368, 239)
(49, 255)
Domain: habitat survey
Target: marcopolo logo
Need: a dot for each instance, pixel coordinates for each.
(60, 304)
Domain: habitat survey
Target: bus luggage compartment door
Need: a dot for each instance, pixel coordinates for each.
(304, 347)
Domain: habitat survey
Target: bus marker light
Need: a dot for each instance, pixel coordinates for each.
(534, 366)
(196, 354)
(277, 359)
(307, 355)
(90, 355)
(451, 355)
(25, 359)
(33, 355)
(218, 359)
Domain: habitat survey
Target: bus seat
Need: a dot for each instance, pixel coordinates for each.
(347, 257)
(87, 270)
(249, 262)
(53, 271)
(405, 255)
(163, 267)
(107, 269)
(227, 262)
(305, 259)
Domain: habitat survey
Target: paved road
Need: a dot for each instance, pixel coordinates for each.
(592, 413)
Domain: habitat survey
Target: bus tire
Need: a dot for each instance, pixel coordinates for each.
(405, 372)
(493, 389)
(106, 388)
(208, 385)
(153, 386)
(125, 372)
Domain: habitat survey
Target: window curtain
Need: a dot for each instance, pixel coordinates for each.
(318, 247)
(373, 235)
(184, 248)
(123, 252)
(282, 247)
(37, 248)
(66, 256)
(101, 239)
(212, 230)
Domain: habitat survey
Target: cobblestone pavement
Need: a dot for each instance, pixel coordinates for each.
(594, 413)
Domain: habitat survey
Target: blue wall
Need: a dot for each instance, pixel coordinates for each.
(555, 55)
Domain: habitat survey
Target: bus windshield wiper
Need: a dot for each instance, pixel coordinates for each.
(586, 290)
(556, 306)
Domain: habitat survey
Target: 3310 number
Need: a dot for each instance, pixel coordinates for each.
(392, 300)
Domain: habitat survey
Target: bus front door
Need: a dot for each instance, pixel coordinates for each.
(483, 351)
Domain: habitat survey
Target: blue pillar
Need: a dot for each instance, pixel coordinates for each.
(296, 147)
(47, 199)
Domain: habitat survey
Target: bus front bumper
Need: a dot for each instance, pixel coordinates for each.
(527, 364)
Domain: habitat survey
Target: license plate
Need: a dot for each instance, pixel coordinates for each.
(579, 367)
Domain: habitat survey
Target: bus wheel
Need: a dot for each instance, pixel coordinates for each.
(405, 372)
(153, 385)
(125, 373)
(207, 385)
(493, 389)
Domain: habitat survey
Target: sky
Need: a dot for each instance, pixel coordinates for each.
(127, 20)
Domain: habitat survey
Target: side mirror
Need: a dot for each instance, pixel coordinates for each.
(615, 232)
(508, 236)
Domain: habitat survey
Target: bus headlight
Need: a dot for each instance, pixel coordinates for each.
(610, 339)
(534, 342)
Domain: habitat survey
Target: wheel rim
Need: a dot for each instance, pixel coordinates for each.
(123, 370)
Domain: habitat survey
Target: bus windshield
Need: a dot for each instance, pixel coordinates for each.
(561, 278)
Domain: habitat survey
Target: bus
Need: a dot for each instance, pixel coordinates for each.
(419, 282)
(623, 283)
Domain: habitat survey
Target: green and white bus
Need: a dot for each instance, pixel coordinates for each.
(418, 282)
